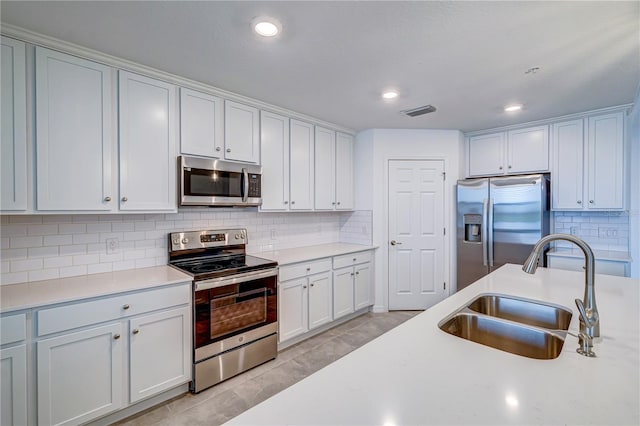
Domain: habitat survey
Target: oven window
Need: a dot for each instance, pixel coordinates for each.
(213, 183)
(238, 311)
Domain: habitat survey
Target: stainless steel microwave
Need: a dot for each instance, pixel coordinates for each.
(218, 183)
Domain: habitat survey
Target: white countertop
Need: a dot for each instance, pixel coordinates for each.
(609, 255)
(302, 254)
(418, 374)
(39, 293)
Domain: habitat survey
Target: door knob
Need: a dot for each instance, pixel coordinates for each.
(394, 242)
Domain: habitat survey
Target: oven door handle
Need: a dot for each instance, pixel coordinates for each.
(235, 279)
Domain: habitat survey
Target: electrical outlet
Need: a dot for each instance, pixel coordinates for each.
(273, 234)
(612, 232)
(574, 230)
(113, 245)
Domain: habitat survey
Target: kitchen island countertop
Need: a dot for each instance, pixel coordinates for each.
(418, 374)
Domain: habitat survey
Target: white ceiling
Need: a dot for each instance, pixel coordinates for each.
(333, 59)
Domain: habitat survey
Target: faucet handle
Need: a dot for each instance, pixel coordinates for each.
(589, 321)
(586, 345)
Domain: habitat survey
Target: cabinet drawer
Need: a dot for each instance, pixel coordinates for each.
(304, 269)
(13, 328)
(81, 314)
(351, 259)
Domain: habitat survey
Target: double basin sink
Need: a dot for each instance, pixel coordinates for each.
(523, 327)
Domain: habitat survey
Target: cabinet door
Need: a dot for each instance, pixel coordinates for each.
(301, 169)
(363, 286)
(201, 124)
(241, 132)
(147, 144)
(74, 133)
(567, 165)
(325, 169)
(606, 162)
(320, 300)
(80, 375)
(13, 174)
(160, 352)
(274, 146)
(486, 156)
(528, 150)
(342, 292)
(344, 172)
(292, 308)
(13, 385)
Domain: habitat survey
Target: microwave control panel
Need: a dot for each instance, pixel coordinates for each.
(254, 185)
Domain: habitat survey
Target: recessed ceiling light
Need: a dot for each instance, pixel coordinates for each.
(391, 94)
(512, 108)
(266, 27)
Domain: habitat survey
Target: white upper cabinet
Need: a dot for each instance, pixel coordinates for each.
(344, 172)
(241, 132)
(588, 163)
(13, 175)
(274, 141)
(325, 169)
(74, 133)
(201, 124)
(147, 144)
(301, 165)
(513, 152)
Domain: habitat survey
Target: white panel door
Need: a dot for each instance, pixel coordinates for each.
(567, 165)
(292, 308)
(606, 162)
(362, 286)
(320, 300)
(416, 233)
(147, 143)
(13, 385)
(528, 150)
(301, 166)
(201, 124)
(344, 172)
(241, 132)
(160, 349)
(486, 155)
(74, 133)
(325, 169)
(343, 292)
(13, 171)
(274, 146)
(80, 375)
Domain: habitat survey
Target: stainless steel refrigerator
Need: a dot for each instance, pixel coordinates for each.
(498, 221)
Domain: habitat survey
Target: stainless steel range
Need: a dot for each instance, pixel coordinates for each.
(235, 318)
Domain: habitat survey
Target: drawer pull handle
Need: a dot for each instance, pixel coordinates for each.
(135, 331)
(116, 336)
(125, 307)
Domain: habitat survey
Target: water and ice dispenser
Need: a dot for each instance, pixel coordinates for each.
(472, 228)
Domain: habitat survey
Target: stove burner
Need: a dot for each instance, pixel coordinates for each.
(206, 267)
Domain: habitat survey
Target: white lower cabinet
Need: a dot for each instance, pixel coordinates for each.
(352, 284)
(320, 287)
(100, 351)
(13, 370)
(362, 290)
(343, 292)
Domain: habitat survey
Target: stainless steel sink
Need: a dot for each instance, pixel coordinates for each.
(524, 311)
(523, 327)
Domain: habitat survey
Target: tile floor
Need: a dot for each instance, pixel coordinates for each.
(220, 403)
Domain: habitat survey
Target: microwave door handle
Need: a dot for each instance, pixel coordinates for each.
(245, 185)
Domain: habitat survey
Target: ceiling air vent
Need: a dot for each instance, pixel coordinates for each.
(419, 111)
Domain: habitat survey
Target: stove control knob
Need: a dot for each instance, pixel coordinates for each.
(176, 241)
(237, 236)
(185, 240)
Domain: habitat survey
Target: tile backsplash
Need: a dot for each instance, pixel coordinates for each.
(38, 247)
(601, 230)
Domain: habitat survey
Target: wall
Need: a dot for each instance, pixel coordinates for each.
(601, 230)
(373, 149)
(37, 247)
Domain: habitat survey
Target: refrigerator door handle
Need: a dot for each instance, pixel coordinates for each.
(485, 233)
(490, 232)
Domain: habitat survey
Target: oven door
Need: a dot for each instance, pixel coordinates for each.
(218, 183)
(232, 311)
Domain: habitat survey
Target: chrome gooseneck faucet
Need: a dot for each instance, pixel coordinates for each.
(589, 319)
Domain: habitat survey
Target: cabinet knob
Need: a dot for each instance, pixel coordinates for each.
(228, 149)
(311, 284)
(338, 202)
(308, 269)
(579, 201)
(107, 199)
(509, 166)
(500, 168)
(590, 201)
(125, 307)
(304, 286)
(125, 199)
(354, 259)
(116, 336)
(135, 331)
(352, 274)
(218, 148)
(357, 272)
(333, 204)
(293, 202)
(286, 202)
